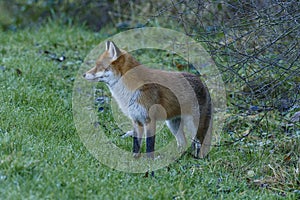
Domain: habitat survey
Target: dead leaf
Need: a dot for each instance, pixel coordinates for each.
(287, 157)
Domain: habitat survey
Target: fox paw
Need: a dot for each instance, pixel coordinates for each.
(196, 146)
(127, 134)
(136, 155)
(181, 149)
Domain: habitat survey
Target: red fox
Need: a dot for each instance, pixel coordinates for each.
(146, 95)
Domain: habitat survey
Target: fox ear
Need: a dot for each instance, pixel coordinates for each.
(107, 45)
(113, 50)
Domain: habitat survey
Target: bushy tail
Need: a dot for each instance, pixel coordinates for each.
(202, 140)
(204, 132)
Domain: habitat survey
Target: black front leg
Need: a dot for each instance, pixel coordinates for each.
(150, 140)
(137, 139)
(150, 144)
(137, 146)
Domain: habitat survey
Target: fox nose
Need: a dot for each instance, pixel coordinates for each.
(84, 75)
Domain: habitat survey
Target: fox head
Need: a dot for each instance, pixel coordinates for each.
(111, 65)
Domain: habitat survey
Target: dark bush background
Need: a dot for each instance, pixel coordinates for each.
(20, 14)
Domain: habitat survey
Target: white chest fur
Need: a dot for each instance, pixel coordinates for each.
(126, 99)
(122, 95)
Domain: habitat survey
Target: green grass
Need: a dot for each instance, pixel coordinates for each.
(42, 157)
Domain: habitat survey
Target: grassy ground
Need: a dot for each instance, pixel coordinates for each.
(42, 157)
